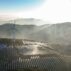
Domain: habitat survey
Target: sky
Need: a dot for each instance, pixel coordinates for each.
(53, 11)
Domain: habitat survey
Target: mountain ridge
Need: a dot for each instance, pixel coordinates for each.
(52, 33)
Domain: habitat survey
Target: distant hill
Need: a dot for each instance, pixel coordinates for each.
(25, 21)
(59, 33)
(9, 30)
(55, 33)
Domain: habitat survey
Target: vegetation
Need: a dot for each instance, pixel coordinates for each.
(10, 42)
(10, 60)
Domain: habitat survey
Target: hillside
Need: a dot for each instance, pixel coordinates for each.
(22, 46)
(9, 30)
(54, 34)
(31, 55)
(57, 35)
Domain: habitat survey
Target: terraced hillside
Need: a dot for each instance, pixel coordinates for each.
(29, 55)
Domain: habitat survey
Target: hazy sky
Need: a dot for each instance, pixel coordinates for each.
(49, 10)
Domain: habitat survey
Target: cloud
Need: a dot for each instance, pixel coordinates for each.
(51, 10)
